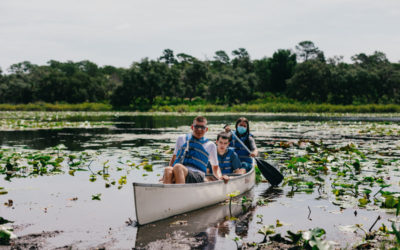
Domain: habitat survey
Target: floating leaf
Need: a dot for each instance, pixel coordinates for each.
(363, 202)
(96, 197)
(294, 237)
(148, 167)
(4, 221)
(267, 230)
(383, 228)
(92, 178)
(122, 180)
(390, 202)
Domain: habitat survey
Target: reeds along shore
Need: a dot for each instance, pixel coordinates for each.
(258, 107)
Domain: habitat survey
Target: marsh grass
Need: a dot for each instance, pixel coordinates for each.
(258, 106)
(280, 107)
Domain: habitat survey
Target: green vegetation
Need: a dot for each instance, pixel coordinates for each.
(5, 233)
(267, 107)
(299, 80)
(315, 239)
(56, 160)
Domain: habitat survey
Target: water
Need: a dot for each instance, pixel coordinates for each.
(61, 204)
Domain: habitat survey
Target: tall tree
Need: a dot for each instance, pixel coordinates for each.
(151, 77)
(262, 69)
(221, 60)
(195, 79)
(125, 94)
(113, 77)
(19, 84)
(168, 57)
(232, 86)
(306, 50)
(282, 65)
(242, 60)
(342, 87)
(309, 82)
(172, 86)
(185, 58)
(221, 57)
(375, 60)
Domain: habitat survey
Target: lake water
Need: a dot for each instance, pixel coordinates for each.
(59, 207)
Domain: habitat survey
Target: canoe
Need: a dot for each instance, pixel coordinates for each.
(155, 202)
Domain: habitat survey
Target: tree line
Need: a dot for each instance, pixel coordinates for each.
(302, 74)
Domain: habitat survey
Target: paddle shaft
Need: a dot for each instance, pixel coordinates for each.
(240, 141)
(267, 170)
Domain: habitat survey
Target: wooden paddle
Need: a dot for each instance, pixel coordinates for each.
(268, 170)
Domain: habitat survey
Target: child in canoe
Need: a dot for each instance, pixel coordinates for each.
(228, 160)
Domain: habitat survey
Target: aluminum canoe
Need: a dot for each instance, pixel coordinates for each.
(155, 202)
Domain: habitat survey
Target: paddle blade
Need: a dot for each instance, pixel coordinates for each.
(269, 172)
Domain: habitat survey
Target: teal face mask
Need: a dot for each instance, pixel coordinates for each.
(241, 130)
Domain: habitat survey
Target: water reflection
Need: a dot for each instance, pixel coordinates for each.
(198, 229)
(75, 139)
(272, 193)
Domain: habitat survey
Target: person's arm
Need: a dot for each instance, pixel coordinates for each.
(217, 173)
(179, 142)
(253, 147)
(213, 158)
(227, 128)
(236, 165)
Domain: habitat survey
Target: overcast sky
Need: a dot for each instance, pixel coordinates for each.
(120, 32)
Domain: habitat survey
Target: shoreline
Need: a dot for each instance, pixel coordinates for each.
(255, 108)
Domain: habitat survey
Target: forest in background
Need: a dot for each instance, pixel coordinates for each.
(291, 77)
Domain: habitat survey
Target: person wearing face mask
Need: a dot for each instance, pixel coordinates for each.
(243, 133)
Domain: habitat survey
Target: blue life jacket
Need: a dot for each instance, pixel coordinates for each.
(225, 162)
(244, 155)
(196, 156)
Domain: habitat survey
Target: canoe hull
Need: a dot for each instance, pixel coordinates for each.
(155, 202)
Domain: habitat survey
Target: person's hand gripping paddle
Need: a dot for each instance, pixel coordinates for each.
(268, 170)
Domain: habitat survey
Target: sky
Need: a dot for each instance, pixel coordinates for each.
(121, 32)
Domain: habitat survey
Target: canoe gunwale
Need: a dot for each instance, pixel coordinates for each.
(161, 185)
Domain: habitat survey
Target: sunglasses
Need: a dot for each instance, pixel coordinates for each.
(199, 127)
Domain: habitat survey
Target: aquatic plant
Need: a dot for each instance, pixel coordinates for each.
(96, 197)
(6, 233)
(3, 191)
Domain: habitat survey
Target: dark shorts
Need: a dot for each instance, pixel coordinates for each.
(194, 177)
